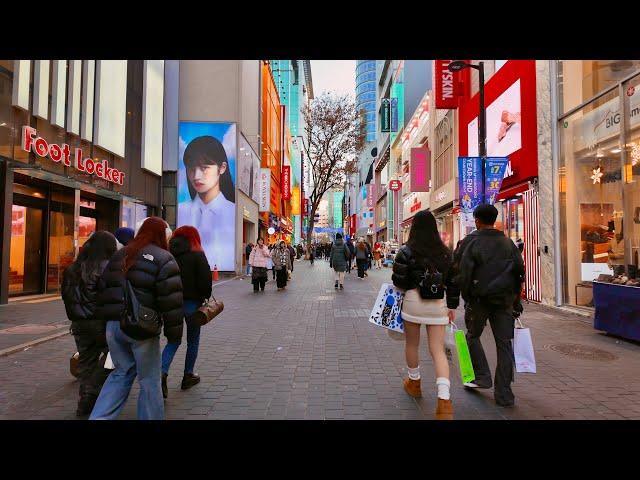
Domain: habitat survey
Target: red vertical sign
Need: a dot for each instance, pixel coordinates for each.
(286, 184)
(420, 169)
(447, 86)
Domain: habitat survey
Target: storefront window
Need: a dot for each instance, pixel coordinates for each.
(580, 80)
(591, 200)
(61, 225)
(631, 230)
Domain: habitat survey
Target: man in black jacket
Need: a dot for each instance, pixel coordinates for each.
(490, 275)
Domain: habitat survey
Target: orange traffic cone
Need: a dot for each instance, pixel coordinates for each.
(215, 273)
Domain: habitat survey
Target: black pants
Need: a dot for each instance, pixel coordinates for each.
(281, 277)
(502, 322)
(361, 264)
(273, 269)
(311, 259)
(259, 284)
(349, 264)
(91, 373)
(292, 259)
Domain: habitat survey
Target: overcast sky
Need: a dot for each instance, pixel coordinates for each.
(338, 76)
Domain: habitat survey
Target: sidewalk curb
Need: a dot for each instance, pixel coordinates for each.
(17, 348)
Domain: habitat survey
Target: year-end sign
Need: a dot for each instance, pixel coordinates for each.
(494, 170)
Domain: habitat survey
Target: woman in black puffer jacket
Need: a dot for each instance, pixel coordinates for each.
(155, 277)
(79, 290)
(195, 272)
(425, 250)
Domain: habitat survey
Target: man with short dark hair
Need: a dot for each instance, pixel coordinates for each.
(490, 272)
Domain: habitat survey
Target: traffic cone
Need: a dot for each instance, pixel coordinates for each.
(215, 273)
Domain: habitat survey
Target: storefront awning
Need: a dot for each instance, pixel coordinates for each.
(513, 191)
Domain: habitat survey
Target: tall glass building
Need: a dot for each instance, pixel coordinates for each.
(366, 94)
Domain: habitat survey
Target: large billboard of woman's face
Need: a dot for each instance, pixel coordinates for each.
(206, 192)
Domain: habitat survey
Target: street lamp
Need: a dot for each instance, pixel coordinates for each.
(456, 66)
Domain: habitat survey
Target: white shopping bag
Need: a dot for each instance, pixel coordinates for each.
(523, 349)
(108, 363)
(449, 341)
(386, 309)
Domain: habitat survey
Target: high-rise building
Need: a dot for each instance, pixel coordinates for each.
(366, 94)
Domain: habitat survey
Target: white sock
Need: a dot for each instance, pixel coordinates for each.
(443, 385)
(414, 373)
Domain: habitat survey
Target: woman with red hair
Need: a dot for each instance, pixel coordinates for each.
(145, 265)
(195, 273)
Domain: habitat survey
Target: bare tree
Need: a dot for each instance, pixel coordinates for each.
(334, 135)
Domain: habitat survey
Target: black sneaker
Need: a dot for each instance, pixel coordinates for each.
(341, 287)
(336, 285)
(505, 403)
(189, 380)
(165, 390)
(85, 406)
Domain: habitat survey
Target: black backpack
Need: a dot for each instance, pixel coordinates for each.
(431, 286)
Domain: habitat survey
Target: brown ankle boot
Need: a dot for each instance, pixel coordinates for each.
(444, 410)
(412, 387)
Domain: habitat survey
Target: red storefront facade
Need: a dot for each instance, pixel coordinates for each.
(510, 100)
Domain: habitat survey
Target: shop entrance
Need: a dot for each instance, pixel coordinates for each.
(25, 267)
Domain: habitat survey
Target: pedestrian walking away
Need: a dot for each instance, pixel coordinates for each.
(271, 265)
(490, 273)
(247, 252)
(312, 253)
(339, 258)
(195, 273)
(79, 291)
(292, 253)
(424, 269)
(282, 264)
(260, 261)
(154, 275)
(361, 258)
(377, 256)
(352, 253)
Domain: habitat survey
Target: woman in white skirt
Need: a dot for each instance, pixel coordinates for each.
(426, 259)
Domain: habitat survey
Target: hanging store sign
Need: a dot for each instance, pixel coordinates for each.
(470, 183)
(495, 168)
(447, 86)
(286, 182)
(395, 185)
(265, 189)
(385, 112)
(394, 114)
(62, 153)
(420, 169)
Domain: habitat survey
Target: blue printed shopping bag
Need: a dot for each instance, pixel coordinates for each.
(386, 309)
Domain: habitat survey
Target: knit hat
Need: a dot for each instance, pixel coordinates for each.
(124, 235)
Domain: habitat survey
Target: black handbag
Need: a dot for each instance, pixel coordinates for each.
(138, 321)
(431, 286)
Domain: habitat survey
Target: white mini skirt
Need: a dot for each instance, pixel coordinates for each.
(425, 312)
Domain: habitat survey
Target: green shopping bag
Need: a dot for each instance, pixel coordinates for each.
(464, 358)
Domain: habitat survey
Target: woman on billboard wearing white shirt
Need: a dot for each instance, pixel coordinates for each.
(212, 206)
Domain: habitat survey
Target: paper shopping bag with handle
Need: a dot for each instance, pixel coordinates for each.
(523, 349)
(464, 358)
(386, 310)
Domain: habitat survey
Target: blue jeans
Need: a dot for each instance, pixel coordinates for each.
(193, 341)
(131, 358)
(248, 268)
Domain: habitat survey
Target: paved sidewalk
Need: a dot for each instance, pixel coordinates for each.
(309, 353)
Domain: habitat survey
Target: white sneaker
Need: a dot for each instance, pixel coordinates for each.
(471, 385)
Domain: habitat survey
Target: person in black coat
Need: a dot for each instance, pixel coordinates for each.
(490, 272)
(154, 275)
(79, 290)
(195, 273)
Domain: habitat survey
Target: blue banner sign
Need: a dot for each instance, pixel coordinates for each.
(470, 182)
(328, 230)
(495, 168)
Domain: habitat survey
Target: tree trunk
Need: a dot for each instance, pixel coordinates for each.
(312, 222)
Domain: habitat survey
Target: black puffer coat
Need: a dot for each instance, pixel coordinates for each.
(407, 273)
(79, 299)
(155, 278)
(195, 271)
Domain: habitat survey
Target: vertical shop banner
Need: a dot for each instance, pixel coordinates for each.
(394, 114)
(447, 86)
(265, 189)
(206, 196)
(495, 168)
(470, 183)
(353, 227)
(286, 182)
(385, 112)
(295, 200)
(337, 209)
(371, 188)
(305, 206)
(420, 169)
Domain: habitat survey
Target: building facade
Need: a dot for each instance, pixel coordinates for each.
(80, 150)
(366, 95)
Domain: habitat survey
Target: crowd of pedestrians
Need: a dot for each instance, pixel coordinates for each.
(121, 277)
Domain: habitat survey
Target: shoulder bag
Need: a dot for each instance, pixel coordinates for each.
(210, 309)
(138, 321)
